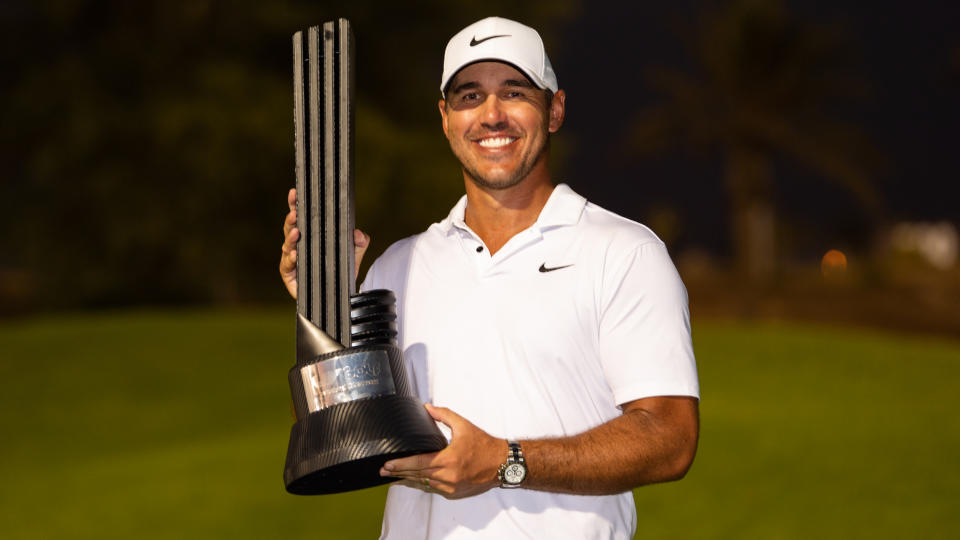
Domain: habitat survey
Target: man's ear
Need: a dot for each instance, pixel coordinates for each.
(443, 114)
(557, 110)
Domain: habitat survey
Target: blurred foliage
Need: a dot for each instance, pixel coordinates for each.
(766, 87)
(147, 147)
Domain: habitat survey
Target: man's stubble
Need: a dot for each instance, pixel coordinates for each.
(514, 179)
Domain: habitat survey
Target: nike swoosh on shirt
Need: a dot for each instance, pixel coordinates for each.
(545, 269)
(474, 42)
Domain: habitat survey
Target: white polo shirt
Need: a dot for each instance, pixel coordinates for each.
(574, 316)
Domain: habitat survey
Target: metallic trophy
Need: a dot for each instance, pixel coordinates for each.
(353, 406)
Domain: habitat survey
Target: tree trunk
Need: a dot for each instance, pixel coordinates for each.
(748, 179)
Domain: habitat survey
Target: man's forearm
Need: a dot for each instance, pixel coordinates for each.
(653, 441)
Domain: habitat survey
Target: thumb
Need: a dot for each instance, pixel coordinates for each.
(360, 244)
(442, 414)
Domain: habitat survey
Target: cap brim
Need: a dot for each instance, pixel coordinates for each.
(527, 73)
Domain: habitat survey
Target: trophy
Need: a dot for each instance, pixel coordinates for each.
(354, 408)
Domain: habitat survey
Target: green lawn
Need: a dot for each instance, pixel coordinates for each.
(175, 424)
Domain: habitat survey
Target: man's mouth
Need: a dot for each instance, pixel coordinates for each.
(495, 142)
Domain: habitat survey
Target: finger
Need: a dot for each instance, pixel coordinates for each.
(416, 484)
(288, 272)
(288, 261)
(430, 485)
(292, 199)
(433, 485)
(360, 239)
(289, 222)
(360, 244)
(418, 462)
(409, 470)
(417, 475)
(288, 265)
(291, 239)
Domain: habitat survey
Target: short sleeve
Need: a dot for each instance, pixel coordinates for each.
(644, 335)
(389, 270)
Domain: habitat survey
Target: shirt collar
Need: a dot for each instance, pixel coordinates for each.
(564, 207)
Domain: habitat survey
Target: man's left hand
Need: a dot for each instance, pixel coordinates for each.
(467, 466)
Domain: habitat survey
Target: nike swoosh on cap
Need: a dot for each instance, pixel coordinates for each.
(545, 269)
(474, 41)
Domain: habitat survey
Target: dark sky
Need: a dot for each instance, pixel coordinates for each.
(908, 56)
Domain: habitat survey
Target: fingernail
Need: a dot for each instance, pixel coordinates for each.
(388, 466)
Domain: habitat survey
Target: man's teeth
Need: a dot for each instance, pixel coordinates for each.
(496, 142)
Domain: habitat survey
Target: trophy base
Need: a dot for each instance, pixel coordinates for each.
(341, 448)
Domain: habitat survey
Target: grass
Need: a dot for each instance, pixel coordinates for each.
(817, 433)
(174, 424)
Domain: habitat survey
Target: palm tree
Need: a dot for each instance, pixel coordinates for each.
(762, 90)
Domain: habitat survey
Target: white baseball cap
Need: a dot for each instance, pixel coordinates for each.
(502, 40)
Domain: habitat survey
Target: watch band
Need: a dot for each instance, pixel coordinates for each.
(513, 471)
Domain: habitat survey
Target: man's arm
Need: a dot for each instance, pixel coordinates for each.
(654, 440)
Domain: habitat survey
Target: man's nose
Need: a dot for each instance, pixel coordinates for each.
(493, 116)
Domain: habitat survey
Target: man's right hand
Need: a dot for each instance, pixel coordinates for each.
(288, 252)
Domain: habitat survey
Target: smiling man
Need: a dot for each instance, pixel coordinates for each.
(549, 337)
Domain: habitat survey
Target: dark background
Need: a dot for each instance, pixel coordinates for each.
(905, 61)
(147, 146)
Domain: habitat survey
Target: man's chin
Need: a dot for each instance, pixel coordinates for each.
(495, 183)
(496, 178)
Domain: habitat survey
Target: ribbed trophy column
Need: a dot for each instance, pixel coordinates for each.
(353, 405)
(323, 133)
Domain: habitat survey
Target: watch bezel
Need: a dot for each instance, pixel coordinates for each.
(514, 474)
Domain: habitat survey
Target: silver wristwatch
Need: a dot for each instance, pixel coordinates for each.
(514, 470)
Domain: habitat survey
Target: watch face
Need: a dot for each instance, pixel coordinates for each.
(514, 473)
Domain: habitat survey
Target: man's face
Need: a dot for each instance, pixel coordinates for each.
(498, 123)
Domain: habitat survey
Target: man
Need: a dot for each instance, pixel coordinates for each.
(550, 336)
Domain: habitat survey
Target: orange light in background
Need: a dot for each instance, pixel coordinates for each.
(833, 264)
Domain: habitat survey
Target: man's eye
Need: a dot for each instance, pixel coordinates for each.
(471, 97)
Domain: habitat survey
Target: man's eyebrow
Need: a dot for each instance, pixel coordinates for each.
(518, 82)
(465, 86)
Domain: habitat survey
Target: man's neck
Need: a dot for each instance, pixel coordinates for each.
(496, 215)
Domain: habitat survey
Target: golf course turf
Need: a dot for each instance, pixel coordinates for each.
(174, 424)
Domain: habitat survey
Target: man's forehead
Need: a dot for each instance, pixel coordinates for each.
(497, 71)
